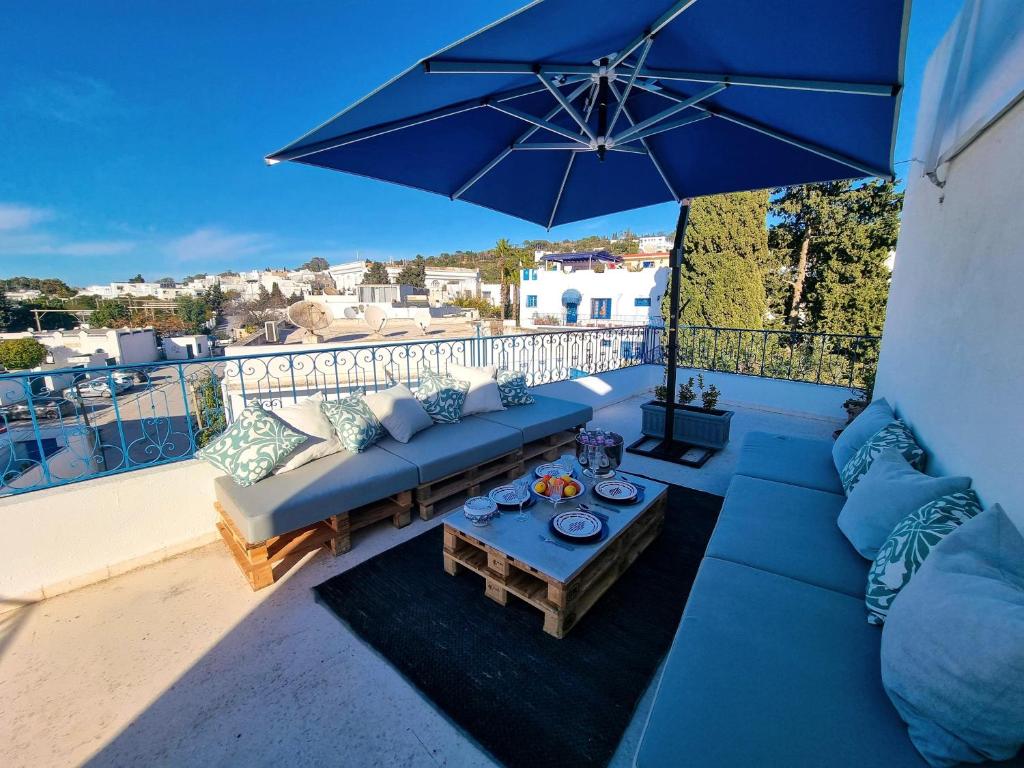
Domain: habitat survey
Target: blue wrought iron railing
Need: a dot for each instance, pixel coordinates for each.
(64, 426)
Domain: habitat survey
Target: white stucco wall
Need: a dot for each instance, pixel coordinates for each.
(620, 285)
(952, 359)
(59, 539)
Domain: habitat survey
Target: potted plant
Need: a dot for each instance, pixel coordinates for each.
(703, 425)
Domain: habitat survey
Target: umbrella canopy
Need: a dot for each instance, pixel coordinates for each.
(570, 109)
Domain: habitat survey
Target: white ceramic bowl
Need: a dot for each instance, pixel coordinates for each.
(479, 510)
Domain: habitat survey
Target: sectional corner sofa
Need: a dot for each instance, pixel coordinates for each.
(269, 525)
(774, 663)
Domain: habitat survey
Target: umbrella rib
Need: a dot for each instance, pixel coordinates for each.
(591, 101)
(650, 152)
(629, 85)
(539, 122)
(490, 166)
(640, 128)
(807, 146)
(660, 23)
(569, 108)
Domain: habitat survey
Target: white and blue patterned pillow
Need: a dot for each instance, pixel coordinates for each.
(909, 544)
(895, 435)
(355, 424)
(512, 388)
(442, 396)
(251, 446)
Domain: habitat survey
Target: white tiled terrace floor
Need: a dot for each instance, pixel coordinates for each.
(180, 664)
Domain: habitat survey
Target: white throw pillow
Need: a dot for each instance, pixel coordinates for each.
(484, 395)
(306, 417)
(399, 411)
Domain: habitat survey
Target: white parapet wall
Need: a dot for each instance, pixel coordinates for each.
(59, 539)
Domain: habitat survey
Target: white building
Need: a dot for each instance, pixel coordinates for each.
(654, 243)
(586, 297)
(117, 345)
(443, 283)
(186, 347)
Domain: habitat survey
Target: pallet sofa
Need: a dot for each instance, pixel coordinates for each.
(270, 525)
(773, 663)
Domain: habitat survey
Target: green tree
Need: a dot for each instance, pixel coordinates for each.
(194, 313)
(109, 314)
(835, 239)
(413, 273)
(6, 311)
(376, 274)
(21, 354)
(166, 282)
(295, 298)
(215, 299)
(137, 279)
(277, 299)
(725, 254)
(316, 264)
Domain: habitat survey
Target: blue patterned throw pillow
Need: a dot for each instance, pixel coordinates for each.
(355, 424)
(512, 388)
(251, 446)
(442, 396)
(896, 435)
(909, 544)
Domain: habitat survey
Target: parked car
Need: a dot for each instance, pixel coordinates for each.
(97, 388)
(128, 378)
(46, 409)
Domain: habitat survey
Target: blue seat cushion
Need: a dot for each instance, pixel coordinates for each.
(790, 531)
(793, 460)
(315, 491)
(445, 449)
(546, 416)
(770, 671)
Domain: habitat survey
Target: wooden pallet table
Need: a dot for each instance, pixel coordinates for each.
(513, 559)
(551, 447)
(263, 562)
(468, 481)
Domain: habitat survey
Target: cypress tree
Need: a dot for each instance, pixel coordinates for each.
(725, 254)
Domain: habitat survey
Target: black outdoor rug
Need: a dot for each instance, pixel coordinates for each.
(528, 699)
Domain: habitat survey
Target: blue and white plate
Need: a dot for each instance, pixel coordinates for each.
(555, 470)
(616, 490)
(507, 496)
(577, 525)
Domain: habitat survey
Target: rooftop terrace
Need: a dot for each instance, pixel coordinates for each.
(180, 663)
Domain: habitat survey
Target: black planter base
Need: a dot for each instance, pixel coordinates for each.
(675, 452)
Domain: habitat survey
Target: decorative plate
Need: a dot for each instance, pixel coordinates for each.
(616, 490)
(577, 525)
(555, 470)
(479, 510)
(506, 496)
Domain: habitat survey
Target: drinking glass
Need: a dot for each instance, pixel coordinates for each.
(555, 492)
(522, 486)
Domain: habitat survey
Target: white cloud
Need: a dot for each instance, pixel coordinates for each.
(14, 216)
(211, 244)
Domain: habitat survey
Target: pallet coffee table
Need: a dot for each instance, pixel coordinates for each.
(562, 582)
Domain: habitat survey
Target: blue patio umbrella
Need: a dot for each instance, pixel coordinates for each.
(571, 109)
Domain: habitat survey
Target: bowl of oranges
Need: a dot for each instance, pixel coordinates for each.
(560, 487)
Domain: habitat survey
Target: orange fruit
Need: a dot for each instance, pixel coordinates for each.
(540, 486)
(569, 491)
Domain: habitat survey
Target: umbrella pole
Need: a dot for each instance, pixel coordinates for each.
(673, 323)
(676, 263)
(669, 449)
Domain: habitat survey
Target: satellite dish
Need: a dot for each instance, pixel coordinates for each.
(349, 313)
(312, 318)
(423, 320)
(376, 318)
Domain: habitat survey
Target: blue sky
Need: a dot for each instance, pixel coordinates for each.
(133, 135)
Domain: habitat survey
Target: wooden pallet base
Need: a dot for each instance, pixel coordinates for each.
(264, 562)
(551, 447)
(468, 481)
(562, 604)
